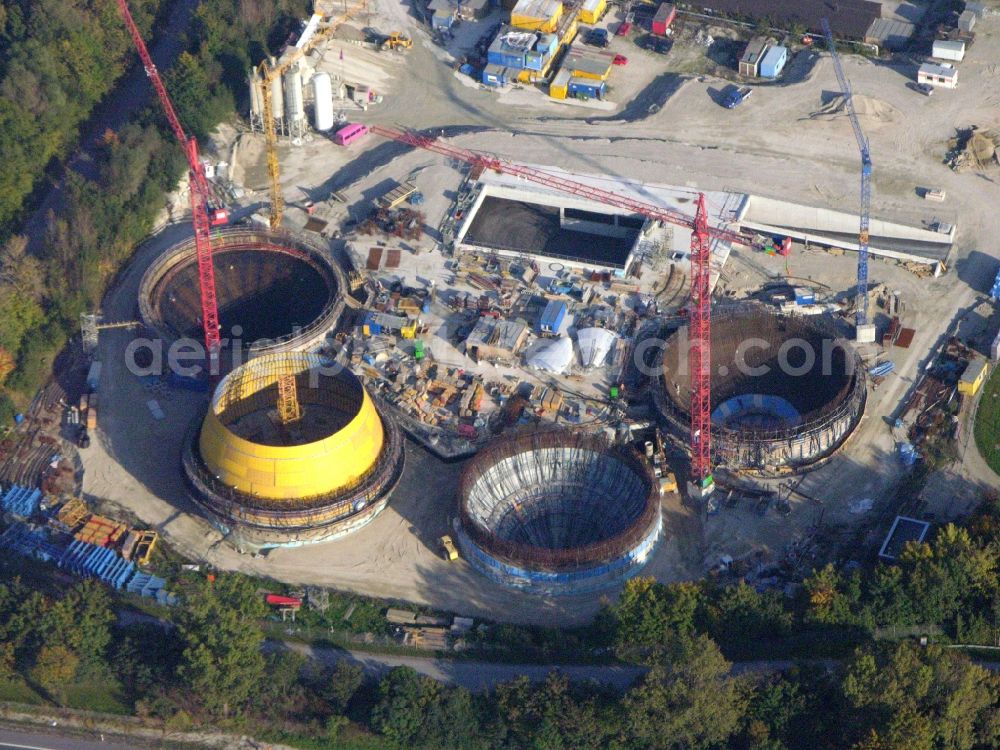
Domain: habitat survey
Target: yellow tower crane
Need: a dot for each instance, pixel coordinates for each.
(268, 74)
(289, 409)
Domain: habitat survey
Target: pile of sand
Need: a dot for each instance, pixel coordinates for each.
(871, 111)
(978, 151)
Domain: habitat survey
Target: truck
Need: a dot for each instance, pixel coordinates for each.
(737, 96)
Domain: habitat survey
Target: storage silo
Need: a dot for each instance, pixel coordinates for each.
(323, 96)
(294, 107)
(256, 94)
(277, 96)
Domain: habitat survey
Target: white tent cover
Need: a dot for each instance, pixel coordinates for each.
(595, 343)
(553, 356)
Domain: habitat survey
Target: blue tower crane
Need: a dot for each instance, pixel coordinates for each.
(861, 300)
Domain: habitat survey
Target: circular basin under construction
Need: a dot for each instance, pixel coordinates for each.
(786, 390)
(292, 450)
(558, 512)
(275, 291)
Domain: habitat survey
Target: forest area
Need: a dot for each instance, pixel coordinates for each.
(856, 687)
(58, 62)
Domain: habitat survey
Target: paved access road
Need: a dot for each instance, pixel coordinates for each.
(31, 741)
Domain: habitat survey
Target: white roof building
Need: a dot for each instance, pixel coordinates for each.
(945, 76)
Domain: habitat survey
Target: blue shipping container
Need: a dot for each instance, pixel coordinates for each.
(552, 316)
(587, 87)
(506, 59)
(494, 75)
(534, 60)
(804, 296)
(547, 44)
(773, 62)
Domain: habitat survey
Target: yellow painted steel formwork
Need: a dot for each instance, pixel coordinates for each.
(290, 472)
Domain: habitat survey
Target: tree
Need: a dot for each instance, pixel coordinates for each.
(553, 715)
(832, 598)
(399, 712)
(913, 697)
(20, 270)
(343, 684)
(220, 627)
(8, 662)
(282, 690)
(55, 667)
(651, 615)
(739, 615)
(86, 627)
(686, 701)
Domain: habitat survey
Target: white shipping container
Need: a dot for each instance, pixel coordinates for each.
(944, 50)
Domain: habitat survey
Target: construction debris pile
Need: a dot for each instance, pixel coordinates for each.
(974, 149)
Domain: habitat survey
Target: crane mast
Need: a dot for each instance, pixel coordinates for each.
(861, 298)
(268, 75)
(200, 193)
(702, 235)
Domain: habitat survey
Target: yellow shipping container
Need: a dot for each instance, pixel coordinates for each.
(559, 88)
(973, 377)
(592, 11)
(537, 15)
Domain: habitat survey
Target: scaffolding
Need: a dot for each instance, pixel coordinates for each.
(557, 501)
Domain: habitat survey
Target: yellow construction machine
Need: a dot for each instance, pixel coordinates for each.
(396, 40)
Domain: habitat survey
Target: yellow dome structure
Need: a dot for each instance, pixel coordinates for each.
(293, 450)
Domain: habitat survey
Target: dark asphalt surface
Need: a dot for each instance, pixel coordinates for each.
(39, 741)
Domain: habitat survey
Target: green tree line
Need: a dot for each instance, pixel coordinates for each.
(207, 667)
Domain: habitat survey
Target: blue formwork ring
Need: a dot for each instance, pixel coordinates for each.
(582, 581)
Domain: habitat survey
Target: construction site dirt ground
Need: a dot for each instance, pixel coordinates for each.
(785, 142)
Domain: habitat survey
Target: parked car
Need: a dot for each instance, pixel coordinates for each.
(737, 96)
(922, 88)
(620, 60)
(598, 37)
(662, 46)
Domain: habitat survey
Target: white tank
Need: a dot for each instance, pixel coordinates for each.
(277, 96)
(277, 99)
(294, 107)
(256, 93)
(323, 95)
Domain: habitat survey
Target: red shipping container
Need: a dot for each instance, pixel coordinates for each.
(665, 15)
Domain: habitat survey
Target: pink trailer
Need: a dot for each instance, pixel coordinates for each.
(349, 133)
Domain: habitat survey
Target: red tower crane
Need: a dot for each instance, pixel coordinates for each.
(200, 193)
(700, 328)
